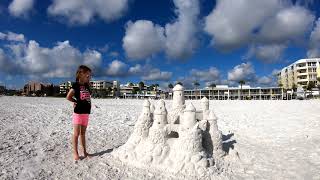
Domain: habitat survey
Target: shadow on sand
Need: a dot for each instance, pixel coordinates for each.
(101, 153)
(228, 142)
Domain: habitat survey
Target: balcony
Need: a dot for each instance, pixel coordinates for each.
(301, 67)
(302, 80)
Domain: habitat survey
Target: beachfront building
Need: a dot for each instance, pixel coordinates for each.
(39, 88)
(300, 73)
(64, 87)
(131, 90)
(98, 85)
(224, 92)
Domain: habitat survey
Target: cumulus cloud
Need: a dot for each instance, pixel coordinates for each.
(271, 24)
(137, 69)
(203, 76)
(157, 75)
(11, 36)
(177, 39)
(57, 62)
(181, 38)
(244, 71)
(149, 73)
(314, 45)
(212, 74)
(231, 25)
(117, 68)
(21, 8)
(143, 39)
(288, 24)
(81, 12)
(265, 80)
(269, 53)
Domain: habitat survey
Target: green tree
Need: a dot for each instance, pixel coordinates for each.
(170, 86)
(241, 82)
(212, 86)
(141, 85)
(310, 85)
(180, 83)
(196, 84)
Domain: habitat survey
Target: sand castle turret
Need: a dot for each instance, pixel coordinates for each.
(178, 96)
(178, 104)
(189, 117)
(216, 137)
(183, 141)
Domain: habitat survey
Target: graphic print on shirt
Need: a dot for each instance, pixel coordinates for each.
(84, 94)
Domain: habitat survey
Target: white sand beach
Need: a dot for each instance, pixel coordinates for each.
(265, 139)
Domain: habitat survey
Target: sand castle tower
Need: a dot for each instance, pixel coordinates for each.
(216, 137)
(178, 104)
(193, 148)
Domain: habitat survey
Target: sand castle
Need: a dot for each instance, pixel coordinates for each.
(182, 140)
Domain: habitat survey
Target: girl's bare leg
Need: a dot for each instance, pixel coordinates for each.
(76, 132)
(83, 140)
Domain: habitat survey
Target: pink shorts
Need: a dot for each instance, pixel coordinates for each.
(80, 119)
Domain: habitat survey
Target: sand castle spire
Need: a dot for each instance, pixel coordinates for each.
(160, 114)
(178, 96)
(189, 116)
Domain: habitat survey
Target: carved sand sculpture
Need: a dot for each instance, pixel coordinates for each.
(182, 140)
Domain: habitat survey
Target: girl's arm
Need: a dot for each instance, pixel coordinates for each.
(70, 96)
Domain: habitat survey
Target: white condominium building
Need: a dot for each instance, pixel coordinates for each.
(101, 84)
(300, 73)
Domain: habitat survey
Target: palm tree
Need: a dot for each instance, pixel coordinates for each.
(212, 86)
(310, 86)
(241, 82)
(131, 84)
(196, 85)
(109, 89)
(141, 86)
(170, 86)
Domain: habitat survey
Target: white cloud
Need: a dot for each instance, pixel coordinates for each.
(81, 12)
(212, 74)
(21, 8)
(314, 44)
(157, 75)
(137, 69)
(288, 24)
(244, 71)
(11, 36)
(181, 38)
(149, 73)
(59, 61)
(271, 25)
(117, 68)
(265, 80)
(269, 53)
(143, 39)
(177, 39)
(232, 22)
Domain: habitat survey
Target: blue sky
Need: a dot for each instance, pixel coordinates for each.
(161, 42)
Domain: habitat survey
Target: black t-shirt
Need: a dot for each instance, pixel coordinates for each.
(82, 95)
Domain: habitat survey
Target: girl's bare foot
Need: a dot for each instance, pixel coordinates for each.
(76, 156)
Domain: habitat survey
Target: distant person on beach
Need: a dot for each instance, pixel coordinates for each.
(79, 94)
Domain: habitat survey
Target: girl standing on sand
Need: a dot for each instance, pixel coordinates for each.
(79, 94)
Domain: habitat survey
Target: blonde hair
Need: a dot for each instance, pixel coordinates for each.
(82, 69)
